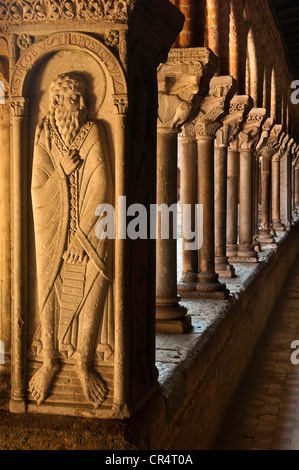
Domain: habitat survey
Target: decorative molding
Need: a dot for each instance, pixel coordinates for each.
(24, 41)
(16, 11)
(111, 38)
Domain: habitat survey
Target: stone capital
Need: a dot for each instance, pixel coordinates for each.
(265, 134)
(215, 106)
(251, 129)
(19, 106)
(238, 110)
(181, 82)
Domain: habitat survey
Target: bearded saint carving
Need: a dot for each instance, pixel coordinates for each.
(71, 177)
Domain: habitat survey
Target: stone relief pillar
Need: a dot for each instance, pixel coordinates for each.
(83, 312)
(179, 81)
(207, 123)
(233, 173)
(5, 245)
(188, 153)
(248, 139)
(239, 107)
(294, 155)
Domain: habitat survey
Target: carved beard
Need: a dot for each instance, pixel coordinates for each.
(68, 123)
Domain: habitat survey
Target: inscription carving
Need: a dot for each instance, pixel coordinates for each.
(60, 40)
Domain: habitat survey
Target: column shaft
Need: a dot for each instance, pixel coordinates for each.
(222, 266)
(232, 201)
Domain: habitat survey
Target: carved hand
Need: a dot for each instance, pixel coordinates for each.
(75, 252)
(71, 162)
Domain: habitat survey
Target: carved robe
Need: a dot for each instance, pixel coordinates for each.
(64, 207)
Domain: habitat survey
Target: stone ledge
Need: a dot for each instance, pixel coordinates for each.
(198, 372)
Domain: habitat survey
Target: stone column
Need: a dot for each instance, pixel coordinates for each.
(233, 171)
(297, 189)
(207, 123)
(278, 226)
(248, 139)
(188, 152)
(267, 152)
(5, 247)
(225, 135)
(179, 83)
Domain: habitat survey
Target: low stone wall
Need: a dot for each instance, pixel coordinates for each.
(198, 373)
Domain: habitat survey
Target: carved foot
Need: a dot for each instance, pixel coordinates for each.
(94, 387)
(41, 382)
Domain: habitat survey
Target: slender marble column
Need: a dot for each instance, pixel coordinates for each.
(5, 226)
(212, 109)
(225, 135)
(179, 82)
(269, 149)
(188, 152)
(233, 171)
(248, 139)
(278, 226)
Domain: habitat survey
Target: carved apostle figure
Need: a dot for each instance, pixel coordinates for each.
(71, 177)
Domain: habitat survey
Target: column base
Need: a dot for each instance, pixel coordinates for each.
(232, 250)
(176, 327)
(206, 287)
(246, 254)
(223, 268)
(278, 226)
(17, 406)
(265, 237)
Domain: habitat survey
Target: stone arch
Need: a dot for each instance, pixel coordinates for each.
(56, 42)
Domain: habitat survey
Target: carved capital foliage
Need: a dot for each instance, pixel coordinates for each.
(121, 104)
(214, 106)
(179, 85)
(158, 19)
(188, 132)
(265, 134)
(251, 128)
(19, 106)
(53, 10)
(238, 110)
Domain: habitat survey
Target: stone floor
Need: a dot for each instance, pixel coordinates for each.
(265, 411)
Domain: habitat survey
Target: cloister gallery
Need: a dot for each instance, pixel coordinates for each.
(140, 342)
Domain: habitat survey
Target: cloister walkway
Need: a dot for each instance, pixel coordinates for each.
(265, 411)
